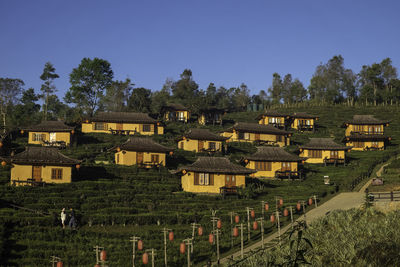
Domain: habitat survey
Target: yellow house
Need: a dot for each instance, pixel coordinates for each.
(175, 112)
(38, 165)
(201, 140)
(302, 121)
(212, 115)
(141, 151)
(274, 118)
(324, 150)
(365, 132)
(50, 133)
(128, 123)
(213, 175)
(254, 132)
(272, 162)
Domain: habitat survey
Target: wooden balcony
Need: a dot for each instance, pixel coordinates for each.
(304, 127)
(228, 190)
(366, 133)
(334, 161)
(149, 164)
(287, 174)
(121, 132)
(277, 125)
(28, 182)
(59, 144)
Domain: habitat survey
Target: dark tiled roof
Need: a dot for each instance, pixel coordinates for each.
(366, 119)
(257, 128)
(143, 144)
(303, 115)
(216, 165)
(203, 134)
(372, 137)
(174, 107)
(122, 117)
(265, 153)
(272, 113)
(49, 126)
(43, 156)
(323, 143)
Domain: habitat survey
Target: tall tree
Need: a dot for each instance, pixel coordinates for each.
(140, 100)
(241, 97)
(88, 82)
(186, 90)
(10, 89)
(275, 90)
(26, 113)
(160, 98)
(118, 95)
(48, 86)
(210, 95)
(57, 109)
(389, 74)
(371, 82)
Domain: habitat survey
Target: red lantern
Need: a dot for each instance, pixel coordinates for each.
(118, 149)
(59, 264)
(237, 219)
(77, 166)
(1, 144)
(255, 225)
(252, 214)
(235, 231)
(281, 202)
(72, 132)
(103, 255)
(182, 248)
(272, 218)
(140, 245)
(145, 258)
(285, 212)
(171, 236)
(298, 206)
(211, 238)
(3, 163)
(22, 131)
(219, 224)
(200, 231)
(266, 206)
(310, 201)
(171, 153)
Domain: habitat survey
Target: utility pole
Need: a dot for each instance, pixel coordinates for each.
(241, 240)
(134, 239)
(214, 220)
(216, 233)
(165, 231)
(194, 227)
(291, 215)
(54, 260)
(153, 254)
(315, 201)
(97, 250)
(261, 220)
(248, 222)
(304, 212)
(279, 227)
(189, 243)
(232, 214)
(213, 213)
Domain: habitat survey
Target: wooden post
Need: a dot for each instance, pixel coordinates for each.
(189, 243)
(54, 260)
(304, 212)
(291, 215)
(165, 231)
(241, 241)
(217, 232)
(153, 254)
(261, 220)
(134, 239)
(315, 200)
(279, 226)
(214, 220)
(194, 226)
(248, 223)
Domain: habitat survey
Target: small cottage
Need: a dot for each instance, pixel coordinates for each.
(302, 121)
(49, 133)
(324, 150)
(126, 123)
(141, 151)
(213, 175)
(274, 118)
(365, 132)
(38, 165)
(254, 132)
(175, 112)
(212, 115)
(273, 162)
(201, 140)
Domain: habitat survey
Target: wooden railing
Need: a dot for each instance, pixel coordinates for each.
(288, 174)
(30, 182)
(228, 190)
(304, 127)
(334, 161)
(367, 133)
(392, 196)
(60, 144)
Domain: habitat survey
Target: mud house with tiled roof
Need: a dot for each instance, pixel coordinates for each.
(273, 162)
(141, 151)
(303, 121)
(324, 150)
(211, 115)
(213, 175)
(127, 123)
(201, 140)
(365, 132)
(274, 118)
(41, 165)
(254, 132)
(49, 133)
(175, 112)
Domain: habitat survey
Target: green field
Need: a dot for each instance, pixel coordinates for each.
(113, 202)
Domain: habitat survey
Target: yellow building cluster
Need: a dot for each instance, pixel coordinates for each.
(201, 140)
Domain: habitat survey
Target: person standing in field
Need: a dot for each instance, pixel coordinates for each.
(63, 217)
(72, 220)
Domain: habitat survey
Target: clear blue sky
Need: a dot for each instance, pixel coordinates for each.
(225, 42)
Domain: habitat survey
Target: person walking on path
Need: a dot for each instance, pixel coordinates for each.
(72, 220)
(63, 217)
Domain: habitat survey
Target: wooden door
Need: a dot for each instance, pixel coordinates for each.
(37, 173)
(201, 145)
(139, 157)
(120, 126)
(257, 137)
(230, 180)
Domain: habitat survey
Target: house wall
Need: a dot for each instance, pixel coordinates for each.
(365, 144)
(60, 136)
(193, 145)
(265, 120)
(296, 122)
(325, 154)
(185, 115)
(365, 128)
(275, 166)
(188, 185)
(138, 127)
(233, 137)
(24, 172)
(129, 157)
